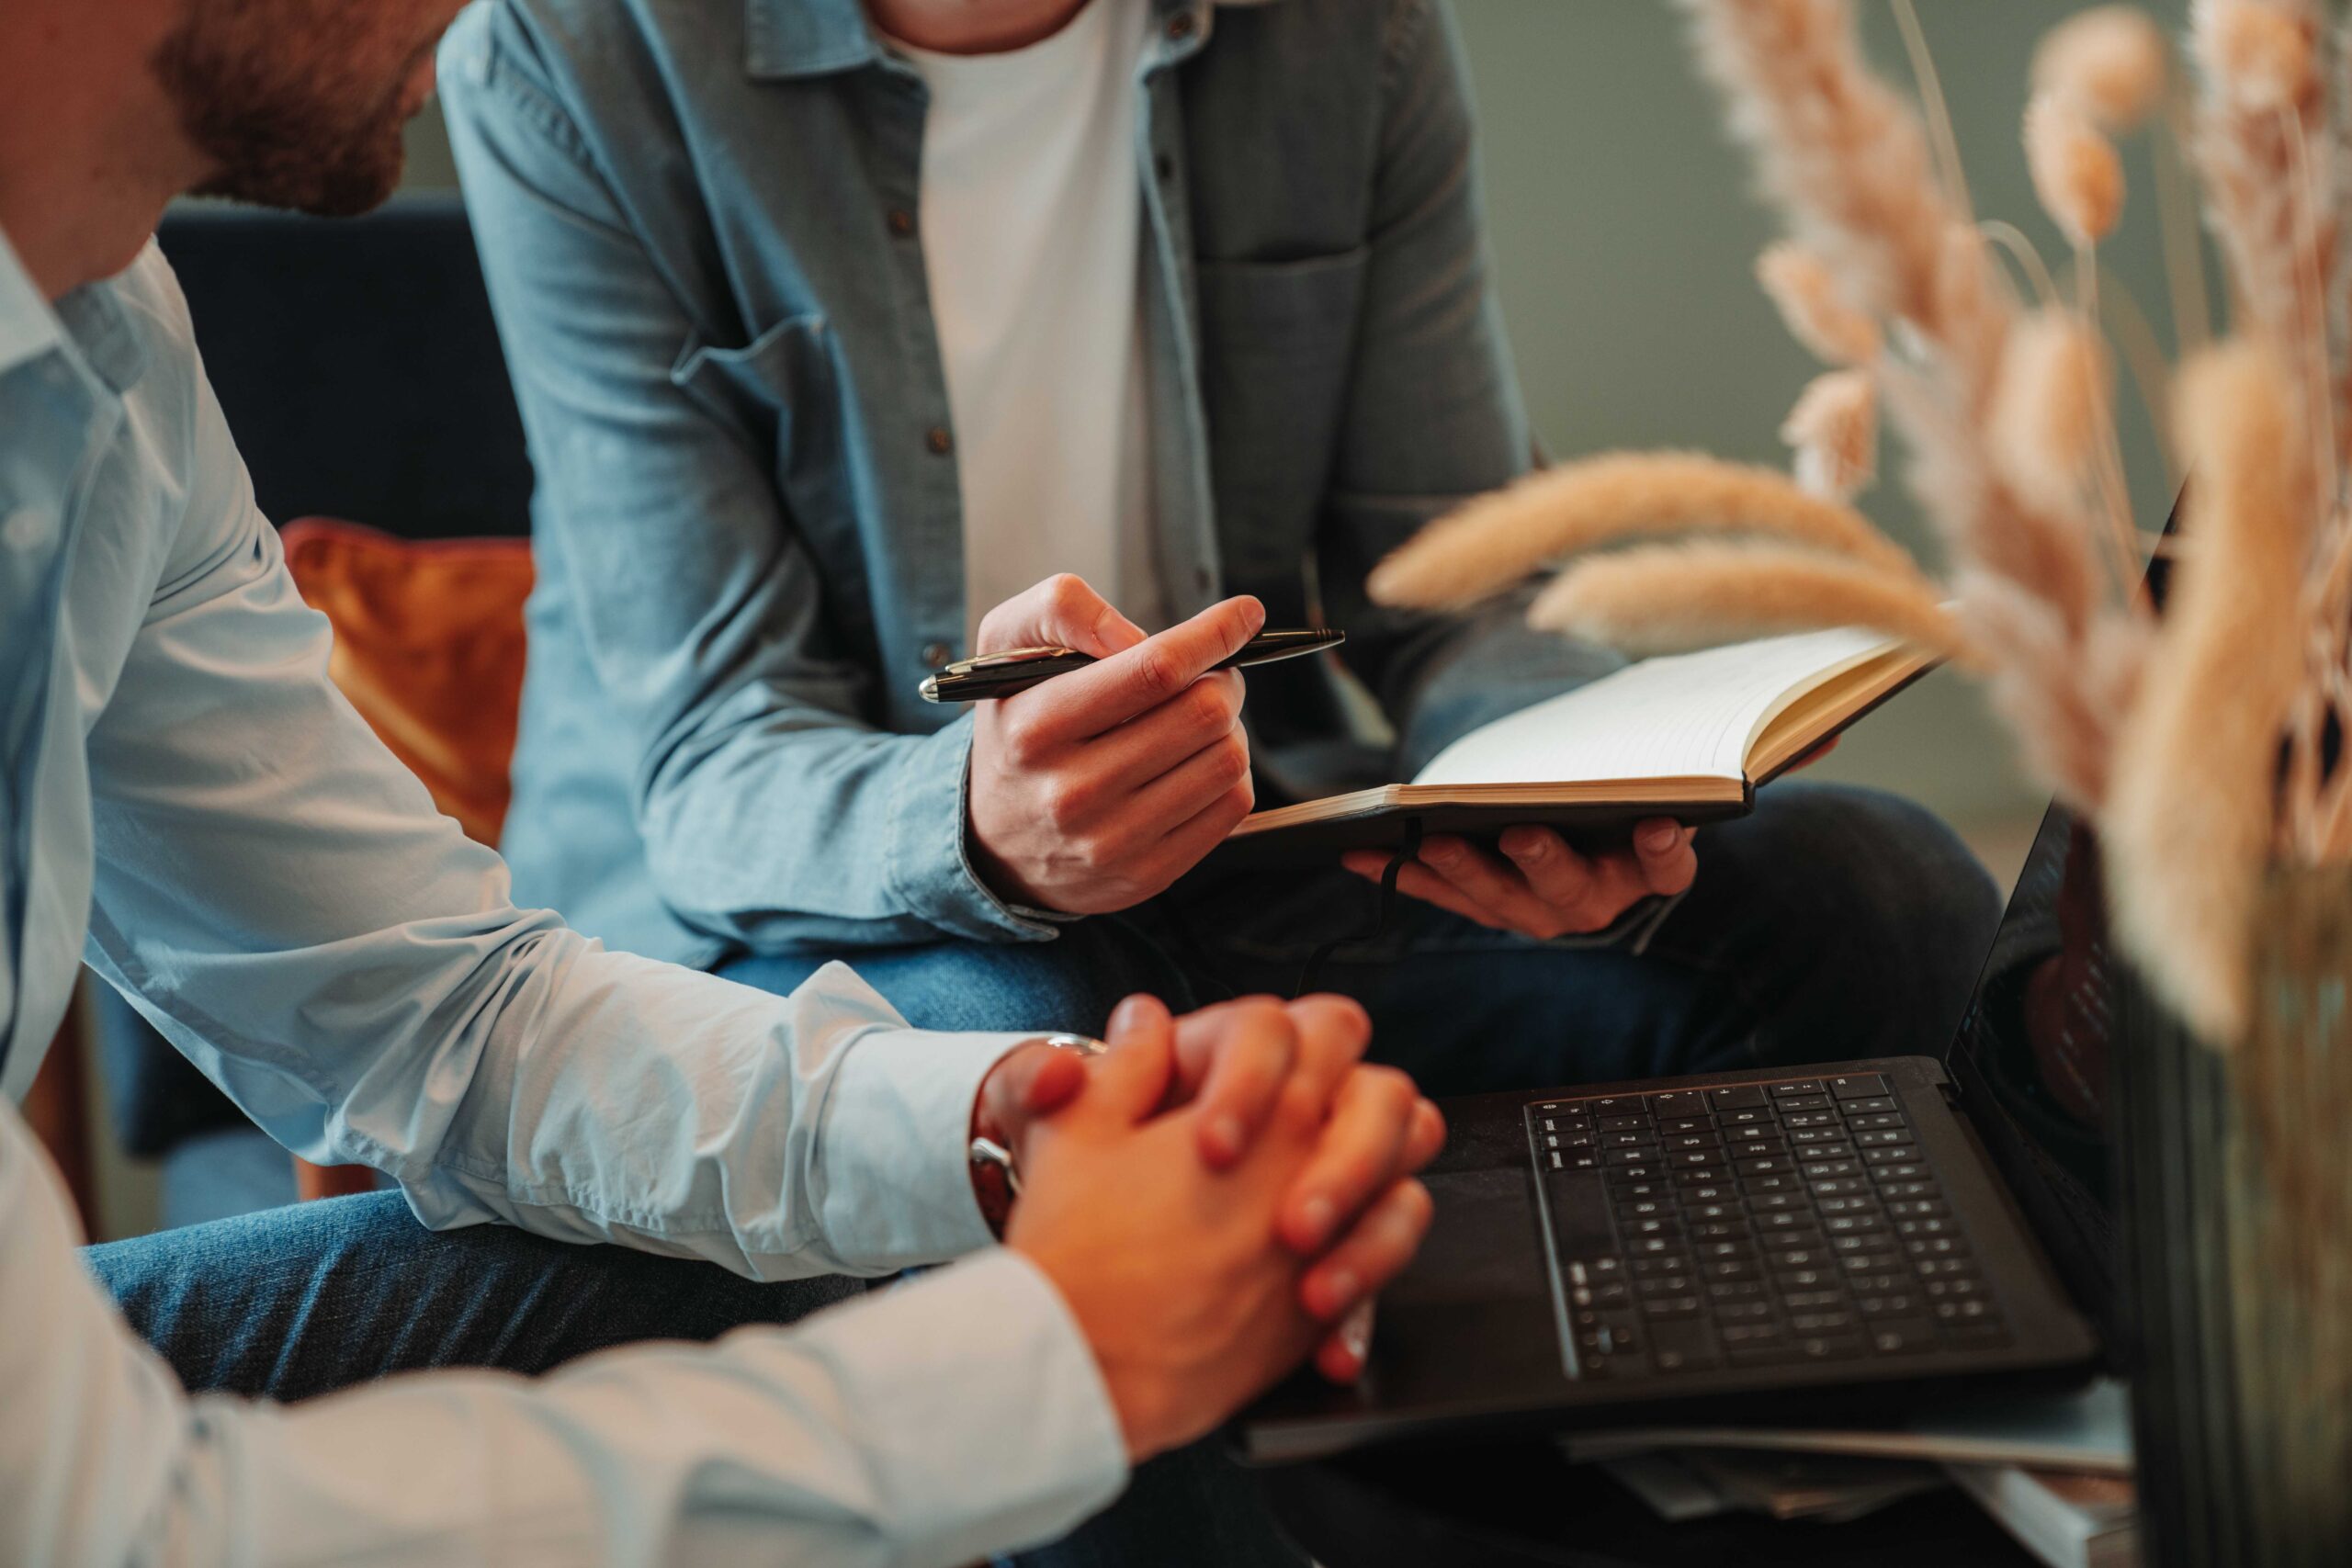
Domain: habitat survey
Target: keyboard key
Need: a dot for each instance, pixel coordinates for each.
(1786, 1221)
(1735, 1096)
(1828, 1208)
(1613, 1105)
(1640, 1170)
(1676, 1103)
(1736, 1290)
(1857, 1086)
(1651, 1268)
(1799, 1087)
(1967, 1310)
(1765, 1165)
(1796, 1119)
(1653, 1246)
(1803, 1102)
(1864, 1107)
(1908, 1229)
(1758, 1311)
(1887, 1138)
(1751, 1118)
(1724, 1251)
(1746, 1335)
(1830, 1169)
(1796, 1257)
(1869, 1262)
(1684, 1143)
(1728, 1271)
(1933, 1247)
(1794, 1280)
(1666, 1227)
(1943, 1290)
(1805, 1140)
(1640, 1138)
(1621, 1188)
(1877, 1123)
(1677, 1345)
(1853, 1224)
(1623, 1123)
(1894, 1304)
(1746, 1137)
(1720, 1230)
(1670, 1306)
(1702, 1187)
(1812, 1300)
(1827, 1347)
(1838, 1187)
(1902, 1335)
(1776, 1202)
(1883, 1284)
(1697, 1159)
(1706, 1214)
(1674, 1124)
(1645, 1209)
(1900, 1170)
(1916, 1209)
(1908, 1189)
(1769, 1186)
(1819, 1323)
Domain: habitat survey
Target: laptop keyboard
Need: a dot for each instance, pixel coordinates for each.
(1761, 1224)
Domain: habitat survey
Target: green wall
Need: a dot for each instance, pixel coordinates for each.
(1623, 235)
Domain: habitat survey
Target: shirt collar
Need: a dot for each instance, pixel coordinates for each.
(90, 324)
(815, 37)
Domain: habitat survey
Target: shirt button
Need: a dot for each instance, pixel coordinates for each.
(938, 440)
(935, 655)
(1180, 26)
(26, 530)
(901, 221)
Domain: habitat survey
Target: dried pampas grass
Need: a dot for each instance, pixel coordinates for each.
(2108, 62)
(1834, 429)
(1834, 145)
(2062, 692)
(2264, 145)
(1816, 314)
(1673, 598)
(1496, 540)
(2076, 172)
(2049, 416)
(2190, 818)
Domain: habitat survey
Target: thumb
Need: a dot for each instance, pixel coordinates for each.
(1063, 611)
(1131, 1081)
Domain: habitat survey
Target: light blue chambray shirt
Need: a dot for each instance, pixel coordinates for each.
(698, 224)
(188, 803)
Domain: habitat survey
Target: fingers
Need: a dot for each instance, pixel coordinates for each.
(1142, 677)
(1371, 1253)
(1341, 1356)
(1131, 1079)
(1061, 612)
(1360, 1154)
(1333, 1034)
(1555, 872)
(1245, 1070)
(1666, 862)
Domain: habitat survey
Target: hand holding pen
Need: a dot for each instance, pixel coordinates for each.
(1098, 789)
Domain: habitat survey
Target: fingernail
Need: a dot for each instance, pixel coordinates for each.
(1318, 1214)
(1534, 849)
(1123, 1017)
(1225, 1133)
(1442, 854)
(1658, 838)
(1356, 1335)
(1341, 1289)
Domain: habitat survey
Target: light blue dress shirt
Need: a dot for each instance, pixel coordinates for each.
(188, 803)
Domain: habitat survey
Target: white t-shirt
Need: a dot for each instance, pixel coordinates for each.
(1031, 223)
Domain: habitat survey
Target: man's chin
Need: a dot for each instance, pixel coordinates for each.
(360, 184)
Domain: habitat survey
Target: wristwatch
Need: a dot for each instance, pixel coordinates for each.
(996, 1174)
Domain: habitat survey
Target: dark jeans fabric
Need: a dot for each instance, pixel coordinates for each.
(302, 1301)
(1833, 923)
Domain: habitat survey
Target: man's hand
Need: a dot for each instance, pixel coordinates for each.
(1174, 1271)
(1095, 791)
(1539, 887)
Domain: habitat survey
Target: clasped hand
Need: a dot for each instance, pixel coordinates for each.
(1215, 1198)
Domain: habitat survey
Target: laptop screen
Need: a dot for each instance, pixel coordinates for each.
(2031, 1057)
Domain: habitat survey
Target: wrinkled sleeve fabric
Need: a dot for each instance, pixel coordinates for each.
(278, 895)
(773, 813)
(874, 1434)
(1434, 414)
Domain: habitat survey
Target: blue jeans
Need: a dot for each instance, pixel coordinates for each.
(1833, 923)
(300, 1301)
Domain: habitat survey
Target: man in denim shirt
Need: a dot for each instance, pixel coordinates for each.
(790, 288)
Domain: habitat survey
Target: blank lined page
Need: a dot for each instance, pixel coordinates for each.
(1689, 716)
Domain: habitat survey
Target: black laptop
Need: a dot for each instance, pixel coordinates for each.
(1782, 1245)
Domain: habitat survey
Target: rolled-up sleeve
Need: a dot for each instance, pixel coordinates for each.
(873, 1434)
(278, 895)
(772, 812)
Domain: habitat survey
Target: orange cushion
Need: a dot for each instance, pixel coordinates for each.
(428, 645)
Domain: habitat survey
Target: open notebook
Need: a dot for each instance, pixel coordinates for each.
(1687, 737)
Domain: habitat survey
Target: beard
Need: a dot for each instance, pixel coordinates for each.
(277, 96)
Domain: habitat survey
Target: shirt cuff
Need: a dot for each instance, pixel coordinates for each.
(894, 1173)
(981, 1414)
(928, 862)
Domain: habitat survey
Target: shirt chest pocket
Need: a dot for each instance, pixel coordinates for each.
(780, 395)
(1277, 339)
